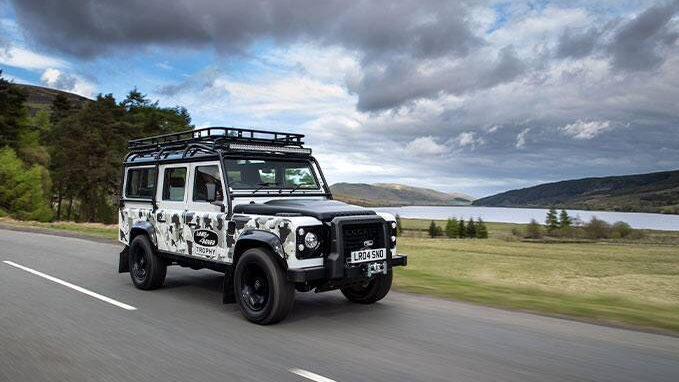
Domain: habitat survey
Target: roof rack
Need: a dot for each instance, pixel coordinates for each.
(209, 140)
(222, 134)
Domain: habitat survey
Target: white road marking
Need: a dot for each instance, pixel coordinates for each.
(72, 286)
(310, 375)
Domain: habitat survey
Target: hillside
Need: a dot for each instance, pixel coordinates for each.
(390, 194)
(654, 192)
(40, 98)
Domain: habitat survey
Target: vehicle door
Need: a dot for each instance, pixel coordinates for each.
(205, 214)
(171, 198)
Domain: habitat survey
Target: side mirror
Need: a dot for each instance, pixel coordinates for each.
(211, 191)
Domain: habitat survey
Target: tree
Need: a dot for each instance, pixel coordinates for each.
(22, 192)
(462, 230)
(533, 230)
(564, 220)
(432, 229)
(621, 229)
(452, 228)
(13, 113)
(552, 221)
(481, 230)
(471, 228)
(399, 228)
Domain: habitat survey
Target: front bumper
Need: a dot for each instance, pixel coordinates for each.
(300, 275)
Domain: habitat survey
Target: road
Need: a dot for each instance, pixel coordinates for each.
(52, 332)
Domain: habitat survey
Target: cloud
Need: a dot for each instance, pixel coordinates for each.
(585, 130)
(58, 79)
(572, 44)
(641, 44)
(521, 138)
(425, 146)
(468, 138)
(27, 59)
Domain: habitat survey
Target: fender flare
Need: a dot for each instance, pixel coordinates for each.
(253, 238)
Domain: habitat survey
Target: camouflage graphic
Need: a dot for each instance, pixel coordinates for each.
(174, 233)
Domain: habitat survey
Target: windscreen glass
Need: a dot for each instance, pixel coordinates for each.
(247, 174)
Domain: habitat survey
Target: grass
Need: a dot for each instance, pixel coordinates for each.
(622, 282)
(91, 229)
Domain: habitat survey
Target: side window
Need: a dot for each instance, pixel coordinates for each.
(267, 176)
(139, 184)
(204, 176)
(174, 184)
(300, 177)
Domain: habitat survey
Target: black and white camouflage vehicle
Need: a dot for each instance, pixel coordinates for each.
(254, 205)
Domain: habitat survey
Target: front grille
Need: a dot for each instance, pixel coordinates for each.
(354, 236)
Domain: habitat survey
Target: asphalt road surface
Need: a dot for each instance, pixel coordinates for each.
(67, 315)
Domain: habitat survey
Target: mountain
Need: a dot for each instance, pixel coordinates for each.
(390, 194)
(654, 192)
(40, 98)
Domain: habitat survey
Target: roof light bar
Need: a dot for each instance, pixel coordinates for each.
(265, 148)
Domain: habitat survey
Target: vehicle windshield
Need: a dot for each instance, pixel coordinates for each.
(260, 174)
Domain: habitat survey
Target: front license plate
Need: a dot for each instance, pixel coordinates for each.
(366, 255)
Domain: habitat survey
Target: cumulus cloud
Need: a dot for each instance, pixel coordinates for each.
(27, 59)
(58, 79)
(425, 146)
(585, 130)
(468, 139)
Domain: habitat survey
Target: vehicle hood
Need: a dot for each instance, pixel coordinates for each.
(318, 208)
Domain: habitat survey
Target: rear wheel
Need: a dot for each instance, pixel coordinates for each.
(263, 293)
(370, 292)
(146, 268)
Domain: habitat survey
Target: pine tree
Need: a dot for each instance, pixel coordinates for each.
(564, 219)
(552, 220)
(462, 230)
(432, 229)
(452, 228)
(13, 113)
(471, 228)
(481, 230)
(399, 228)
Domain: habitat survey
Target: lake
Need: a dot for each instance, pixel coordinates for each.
(524, 215)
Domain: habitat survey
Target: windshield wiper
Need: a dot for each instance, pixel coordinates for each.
(296, 187)
(262, 185)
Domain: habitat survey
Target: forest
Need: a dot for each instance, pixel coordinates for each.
(64, 162)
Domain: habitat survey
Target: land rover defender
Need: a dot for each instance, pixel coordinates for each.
(254, 205)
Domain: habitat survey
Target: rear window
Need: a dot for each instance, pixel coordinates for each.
(140, 181)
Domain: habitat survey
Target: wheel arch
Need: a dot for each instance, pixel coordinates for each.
(260, 239)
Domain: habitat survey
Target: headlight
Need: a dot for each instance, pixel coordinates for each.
(311, 240)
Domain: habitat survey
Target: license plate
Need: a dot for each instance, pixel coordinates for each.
(366, 255)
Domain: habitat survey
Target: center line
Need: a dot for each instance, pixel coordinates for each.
(72, 286)
(310, 375)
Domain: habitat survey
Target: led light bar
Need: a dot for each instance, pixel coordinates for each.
(265, 148)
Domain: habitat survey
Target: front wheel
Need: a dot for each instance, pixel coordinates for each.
(370, 292)
(263, 293)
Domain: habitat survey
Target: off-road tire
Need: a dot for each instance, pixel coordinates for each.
(257, 266)
(147, 269)
(374, 291)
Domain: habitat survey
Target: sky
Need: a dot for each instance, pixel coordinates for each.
(476, 97)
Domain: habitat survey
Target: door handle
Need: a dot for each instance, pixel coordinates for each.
(191, 224)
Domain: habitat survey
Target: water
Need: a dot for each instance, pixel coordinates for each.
(524, 215)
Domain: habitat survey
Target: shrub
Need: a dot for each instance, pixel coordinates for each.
(22, 190)
(533, 230)
(597, 229)
(621, 230)
(399, 228)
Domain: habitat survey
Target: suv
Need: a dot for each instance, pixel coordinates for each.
(254, 205)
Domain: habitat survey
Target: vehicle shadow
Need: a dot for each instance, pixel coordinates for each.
(207, 286)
